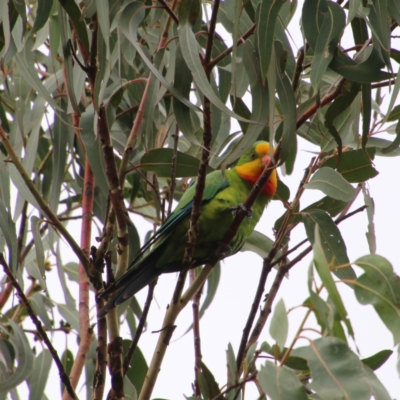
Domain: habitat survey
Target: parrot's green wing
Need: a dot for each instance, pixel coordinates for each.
(215, 182)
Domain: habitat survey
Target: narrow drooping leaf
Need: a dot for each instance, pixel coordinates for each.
(188, 120)
(68, 68)
(377, 360)
(370, 234)
(323, 267)
(38, 379)
(333, 24)
(138, 366)
(331, 241)
(339, 106)
(35, 225)
(267, 15)
(288, 104)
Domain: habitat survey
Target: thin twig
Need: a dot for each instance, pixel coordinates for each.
(139, 329)
(63, 375)
(170, 11)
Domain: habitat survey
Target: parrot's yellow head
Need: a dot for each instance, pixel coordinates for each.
(252, 163)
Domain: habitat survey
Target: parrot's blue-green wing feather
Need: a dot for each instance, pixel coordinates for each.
(215, 182)
(142, 271)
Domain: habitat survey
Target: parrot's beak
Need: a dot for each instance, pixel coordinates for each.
(265, 159)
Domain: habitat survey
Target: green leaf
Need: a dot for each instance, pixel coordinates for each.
(293, 362)
(361, 73)
(366, 112)
(267, 15)
(188, 120)
(138, 366)
(282, 192)
(288, 104)
(60, 142)
(40, 373)
(232, 370)
(208, 385)
(280, 383)
(377, 360)
(42, 14)
(35, 226)
(336, 371)
(380, 286)
(78, 21)
(377, 389)
(69, 299)
(370, 234)
(332, 184)
(160, 162)
(331, 241)
(322, 264)
(25, 64)
(23, 356)
(380, 28)
(7, 227)
(40, 304)
(339, 106)
(333, 24)
(394, 10)
(355, 165)
(396, 142)
(279, 324)
(394, 114)
(260, 244)
(68, 68)
(67, 360)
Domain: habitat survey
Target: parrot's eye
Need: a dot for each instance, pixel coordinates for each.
(253, 156)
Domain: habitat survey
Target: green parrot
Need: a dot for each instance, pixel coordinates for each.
(223, 194)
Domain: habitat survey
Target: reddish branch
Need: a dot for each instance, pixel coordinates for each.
(326, 100)
(229, 50)
(86, 332)
(42, 333)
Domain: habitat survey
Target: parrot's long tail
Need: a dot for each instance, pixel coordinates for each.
(129, 284)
